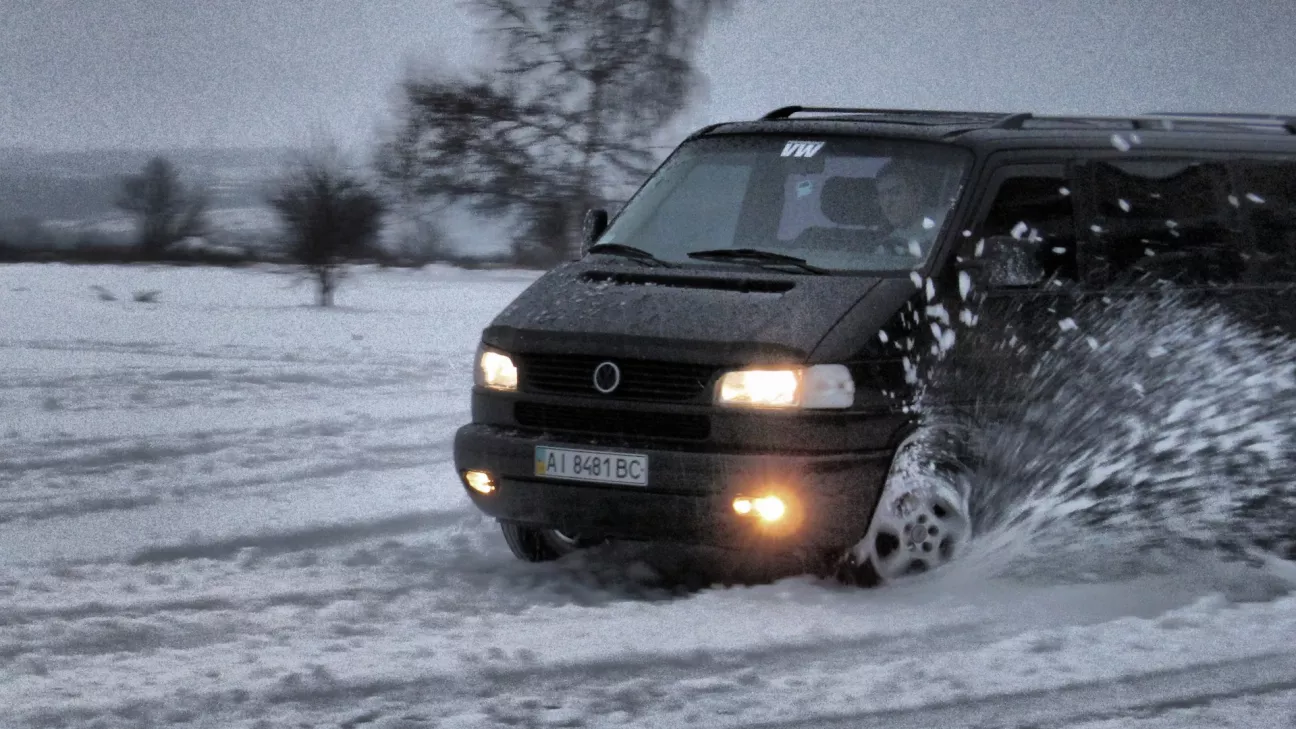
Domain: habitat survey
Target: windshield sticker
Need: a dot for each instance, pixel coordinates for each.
(802, 149)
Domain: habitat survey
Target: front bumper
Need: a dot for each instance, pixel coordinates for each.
(689, 497)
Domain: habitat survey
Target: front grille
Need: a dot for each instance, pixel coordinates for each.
(597, 421)
(640, 379)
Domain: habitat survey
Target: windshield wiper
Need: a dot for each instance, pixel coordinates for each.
(757, 257)
(625, 251)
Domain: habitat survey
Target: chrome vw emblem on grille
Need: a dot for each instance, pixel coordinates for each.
(607, 377)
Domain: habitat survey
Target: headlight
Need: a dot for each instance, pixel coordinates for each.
(761, 388)
(495, 370)
(816, 387)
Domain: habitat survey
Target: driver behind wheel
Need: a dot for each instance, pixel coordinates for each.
(904, 195)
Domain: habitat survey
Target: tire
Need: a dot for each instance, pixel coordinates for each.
(922, 521)
(537, 544)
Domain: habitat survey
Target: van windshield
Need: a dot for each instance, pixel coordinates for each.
(839, 203)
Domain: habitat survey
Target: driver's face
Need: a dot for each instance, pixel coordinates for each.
(899, 200)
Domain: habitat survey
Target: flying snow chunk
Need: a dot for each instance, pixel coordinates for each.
(1068, 324)
(1124, 205)
(1233, 200)
(1096, 228)
(967, 234)
(1020, 229)
(947, 340)
(1119, 143)
(1064, 191)
(965, 285)
(1059, 250)
(980, 248)
(939, 313)
(1255, 198)
(916, 278)
(1093, 343)
(883, 336)
(915, 250)
(928, 223)
(931, 290)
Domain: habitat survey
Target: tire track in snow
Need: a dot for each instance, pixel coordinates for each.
(296, 540)
(393, 444)
(1157, 691)
(683, 692)
(313, 688)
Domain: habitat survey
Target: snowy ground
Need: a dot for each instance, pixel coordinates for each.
(230, 509)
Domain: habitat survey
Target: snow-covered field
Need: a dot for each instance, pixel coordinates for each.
(230, 509)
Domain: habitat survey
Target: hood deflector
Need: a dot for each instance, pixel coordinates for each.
(716, 283)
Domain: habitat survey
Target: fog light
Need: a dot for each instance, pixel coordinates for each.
(479, 481)
(767, 508)
(770, 508)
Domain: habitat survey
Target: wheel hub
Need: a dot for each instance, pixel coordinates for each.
(921, 523)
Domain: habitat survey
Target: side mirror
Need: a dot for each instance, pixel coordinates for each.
(1008, 262)
(596, 221)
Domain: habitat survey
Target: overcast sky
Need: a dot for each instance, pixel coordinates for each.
(164, 73)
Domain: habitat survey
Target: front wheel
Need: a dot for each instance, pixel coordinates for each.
(537, 544)
(921, 522)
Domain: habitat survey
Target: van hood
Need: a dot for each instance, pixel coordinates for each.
(715, 315)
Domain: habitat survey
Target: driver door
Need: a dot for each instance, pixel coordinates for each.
(1016, 280)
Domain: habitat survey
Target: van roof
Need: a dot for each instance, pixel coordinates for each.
(1196, 130)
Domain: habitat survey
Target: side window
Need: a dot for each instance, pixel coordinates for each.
(1039, 212)
(1162, 220)
(1267, 195)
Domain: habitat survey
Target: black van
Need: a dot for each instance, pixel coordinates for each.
(734, 358)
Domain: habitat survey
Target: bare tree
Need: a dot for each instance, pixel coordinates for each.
(166, 211)
(582, 90)
(330, 216)
(417, 235)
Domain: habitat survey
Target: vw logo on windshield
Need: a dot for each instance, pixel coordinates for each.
(607, 377)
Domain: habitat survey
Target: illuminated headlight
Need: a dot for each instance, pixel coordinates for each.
(817, 387)
(495, 370)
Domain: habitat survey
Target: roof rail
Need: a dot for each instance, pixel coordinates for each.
(1219, 115)
(784, 112)
(992, 120)
(1013, 121)
(1156, 121)
(1288, 122)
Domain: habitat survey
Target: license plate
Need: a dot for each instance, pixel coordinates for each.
(599, 466)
